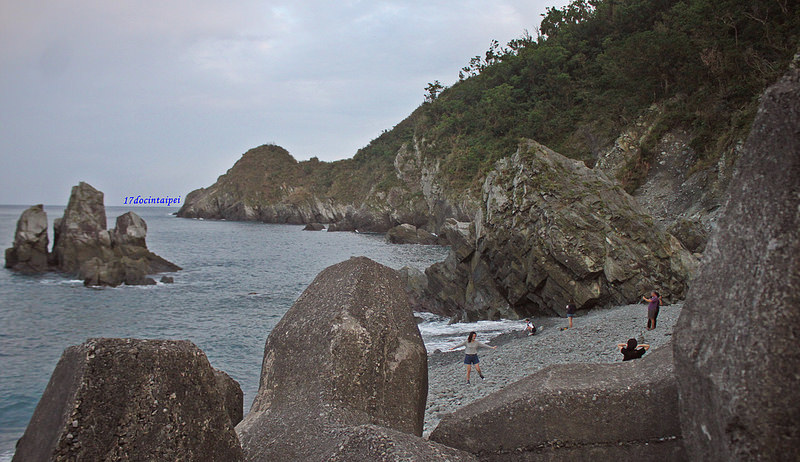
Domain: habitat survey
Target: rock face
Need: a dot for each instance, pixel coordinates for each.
(623, 411)
(553, 230)
(81, 234)
(232, 395)
(410, 234)
(267, 184)
(736, 350)
(348, 353)
(29, 253)
(314, 227)
(83, 246)
(126, 399)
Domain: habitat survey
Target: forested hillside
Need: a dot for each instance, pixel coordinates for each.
(594, 66)
(588, 75)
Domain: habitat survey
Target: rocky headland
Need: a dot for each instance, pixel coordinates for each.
(83, 246)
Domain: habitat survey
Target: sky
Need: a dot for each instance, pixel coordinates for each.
(158, 98)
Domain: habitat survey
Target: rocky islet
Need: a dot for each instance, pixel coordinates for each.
(83, 246)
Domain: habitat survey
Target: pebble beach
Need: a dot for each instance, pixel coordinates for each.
(592, 339)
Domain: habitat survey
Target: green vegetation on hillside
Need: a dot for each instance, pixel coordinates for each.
(593, 68)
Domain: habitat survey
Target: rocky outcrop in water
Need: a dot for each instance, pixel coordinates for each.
(623, 411)
(83, 245)
(410, 234)
(345, 358)
(29, 253)
(552, 230)
(127, 399)
(736, 340)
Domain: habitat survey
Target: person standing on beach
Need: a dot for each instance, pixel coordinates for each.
(652, 309)
(571, 308)
(471, 353)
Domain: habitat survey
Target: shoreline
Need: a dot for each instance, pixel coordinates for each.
(593, 339)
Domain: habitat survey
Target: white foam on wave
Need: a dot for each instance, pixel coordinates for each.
(60, 281)
(6, 456)
(439, 334)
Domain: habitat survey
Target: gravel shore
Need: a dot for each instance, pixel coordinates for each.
(593, 339)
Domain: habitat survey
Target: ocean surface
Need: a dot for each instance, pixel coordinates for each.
(238, 279)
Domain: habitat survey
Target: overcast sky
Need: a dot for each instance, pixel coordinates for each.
(161, 97)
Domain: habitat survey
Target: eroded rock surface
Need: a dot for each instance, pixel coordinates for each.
(554, 230)
(83, 246)
(622, 411)
(348, 353)
(29, 253)
(410, 234)
(127, 399)
(736, 352)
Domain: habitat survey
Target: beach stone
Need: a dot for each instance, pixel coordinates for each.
(623, 411)
(128, 399)
(347, 353)
(167, 279)
(314, 227)
(736, 351)
(29, 252)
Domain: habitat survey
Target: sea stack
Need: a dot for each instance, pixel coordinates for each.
(83, 245)
(29, 253)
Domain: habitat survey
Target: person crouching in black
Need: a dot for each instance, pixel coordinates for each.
(629, 350)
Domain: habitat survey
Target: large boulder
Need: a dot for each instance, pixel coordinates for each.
(553, 230)
(127, 399)
(623, 411)
(29, 252)
(348, 353)
(736, 351)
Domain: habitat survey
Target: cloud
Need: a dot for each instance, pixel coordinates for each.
(125, 91)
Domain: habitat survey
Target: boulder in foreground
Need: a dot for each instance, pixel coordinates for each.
(736, 352)
(347, 354)
(127, 399)
(624, 411)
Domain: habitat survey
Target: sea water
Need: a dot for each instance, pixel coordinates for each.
(238, 279)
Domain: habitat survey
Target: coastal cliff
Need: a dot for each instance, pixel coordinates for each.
(664, 123)
(267, 184)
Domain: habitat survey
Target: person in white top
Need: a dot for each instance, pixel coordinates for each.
(471, 353)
